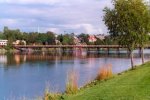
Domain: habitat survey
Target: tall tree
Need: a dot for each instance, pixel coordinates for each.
(12, 34)
(142, 24)
(84, 38)
(50, 38)
(68, 39)
(124, 21)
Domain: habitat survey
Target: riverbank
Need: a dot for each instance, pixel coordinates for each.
(129, 85)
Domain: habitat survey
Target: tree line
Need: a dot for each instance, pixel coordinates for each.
(51, 38)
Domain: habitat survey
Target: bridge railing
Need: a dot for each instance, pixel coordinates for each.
(72, 46)
(67, 46)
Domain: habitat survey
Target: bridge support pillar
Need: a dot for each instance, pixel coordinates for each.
(56, 50)
(80, 49)
(118, 51)
(88, 49)
(97, 50)
(63, 50)
(72, 49)
(108, 51)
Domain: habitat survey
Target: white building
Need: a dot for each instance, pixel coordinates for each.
(101, 36)
(3, 42)
(17, 42)
(76, 40)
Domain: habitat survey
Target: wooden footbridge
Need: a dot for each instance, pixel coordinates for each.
(67, 46)
(71, 46)
(80, 47)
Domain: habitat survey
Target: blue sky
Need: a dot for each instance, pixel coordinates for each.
(54, 15)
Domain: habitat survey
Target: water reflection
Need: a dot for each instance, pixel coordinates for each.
(3, 59)
(20, 58)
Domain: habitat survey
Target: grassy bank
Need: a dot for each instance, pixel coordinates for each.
(130, 85)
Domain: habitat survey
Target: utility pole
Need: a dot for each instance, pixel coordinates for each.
(38, 29)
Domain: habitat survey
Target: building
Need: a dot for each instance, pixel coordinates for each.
(100, 36)
(3, 42)
(18, 42)
(76, 40)
(92, 38)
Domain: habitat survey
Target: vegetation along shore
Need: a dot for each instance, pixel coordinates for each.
(128, 85)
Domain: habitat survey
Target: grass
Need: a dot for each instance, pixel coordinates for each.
(71, 87)
(48, 95)
(51, 96)
(130, 85)
(72, 83)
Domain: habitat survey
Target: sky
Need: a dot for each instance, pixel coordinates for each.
(59, 16)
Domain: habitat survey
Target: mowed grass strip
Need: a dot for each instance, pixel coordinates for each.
(130, 85)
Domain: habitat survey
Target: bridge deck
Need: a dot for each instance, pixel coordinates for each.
(68, 46)
(72, 46)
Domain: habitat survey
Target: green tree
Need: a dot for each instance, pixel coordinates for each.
(142, 24)
(60, 38)
(123, 22)
(50, 38)
(9, 45)
(32, 38)
(84, 38)
(110, 40)
(42, 38)
(2, 36)
(68, 39)
(25, 36)
(12, 34)
(99, 42)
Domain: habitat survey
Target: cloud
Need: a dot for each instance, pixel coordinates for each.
(31, 1)
(8, 22)
(57, 15)
(55, 30)
(85, 28)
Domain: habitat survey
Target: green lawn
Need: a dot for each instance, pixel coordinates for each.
(130, 85)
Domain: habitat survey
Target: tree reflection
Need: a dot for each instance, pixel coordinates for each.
(19, 58)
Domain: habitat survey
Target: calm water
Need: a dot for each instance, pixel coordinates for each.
(27, 75)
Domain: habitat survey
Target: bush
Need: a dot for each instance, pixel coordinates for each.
(50, 96)
(72, 83)
(105, 72)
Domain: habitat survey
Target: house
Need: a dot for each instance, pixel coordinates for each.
(76, 40)
(18, 42)
(57, 42)
(101, 36)
(92, 38)
(3, 42)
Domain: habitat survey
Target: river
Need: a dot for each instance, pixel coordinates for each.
(28, 74)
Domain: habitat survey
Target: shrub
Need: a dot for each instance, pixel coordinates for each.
(50, 96)
(105, 72)
(72, 83)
